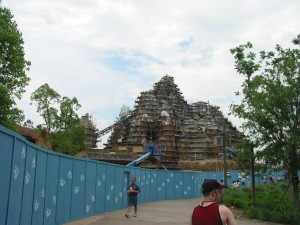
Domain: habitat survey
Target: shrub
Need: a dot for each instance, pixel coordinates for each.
(251, 212)
(264, 214)
(272, 203)
(240, 203)
(279, 218)
(293, 218)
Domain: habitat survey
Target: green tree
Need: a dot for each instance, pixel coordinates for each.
(271, 105)
(69, 141)
(46, 99)
(28, 123)
(61, 119)
(68, 116)
(13, 68)
(246, 162)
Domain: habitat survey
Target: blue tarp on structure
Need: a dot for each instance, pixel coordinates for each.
(231, 150)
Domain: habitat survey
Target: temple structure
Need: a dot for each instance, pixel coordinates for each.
(182, 131)
(90, 131)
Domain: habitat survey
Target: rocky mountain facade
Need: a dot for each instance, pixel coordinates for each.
(182, 131)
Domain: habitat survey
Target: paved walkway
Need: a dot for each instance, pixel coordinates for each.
(172, 212)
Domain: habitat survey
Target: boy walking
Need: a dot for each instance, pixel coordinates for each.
(133, 190)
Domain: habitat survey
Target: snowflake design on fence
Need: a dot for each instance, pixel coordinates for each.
(43, 193)
(87, 208)
(27, 177)
(54, 200)
(23, 153)
(76, 190)
(16, 172)
(62, 182)
(82, 178)
(36, 205)
(48, 212)
(69, 175)
(33, 163)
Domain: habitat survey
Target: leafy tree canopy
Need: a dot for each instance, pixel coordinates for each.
(13, 68)
(46, 99)
(70, 141)
(61, 119)
(68, 116)
(271, 103)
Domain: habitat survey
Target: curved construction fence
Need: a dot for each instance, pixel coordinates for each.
(39, 186)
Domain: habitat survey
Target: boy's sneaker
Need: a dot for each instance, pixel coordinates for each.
(135, 215)
(127, 215)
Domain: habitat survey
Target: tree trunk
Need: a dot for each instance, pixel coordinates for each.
(225, 149)
(295, 192)
(294, 177)
(253, 177)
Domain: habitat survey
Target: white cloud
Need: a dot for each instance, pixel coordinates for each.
(106, 52)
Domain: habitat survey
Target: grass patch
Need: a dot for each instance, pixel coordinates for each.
(271, 203)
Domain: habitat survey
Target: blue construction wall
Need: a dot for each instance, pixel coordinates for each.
(39, 186)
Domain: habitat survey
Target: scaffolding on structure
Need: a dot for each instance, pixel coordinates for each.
(163, 118)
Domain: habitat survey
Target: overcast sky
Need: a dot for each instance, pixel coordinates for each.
(105, 52)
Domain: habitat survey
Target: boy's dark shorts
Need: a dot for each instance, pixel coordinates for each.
(132, 200)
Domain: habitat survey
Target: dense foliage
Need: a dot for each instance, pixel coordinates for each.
(272, 203)
(45, 98)
(62, 124)
(61, 119)
(70, 141)
(13, 68)
(271, 105)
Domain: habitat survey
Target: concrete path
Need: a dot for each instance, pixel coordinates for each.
(172, 212)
